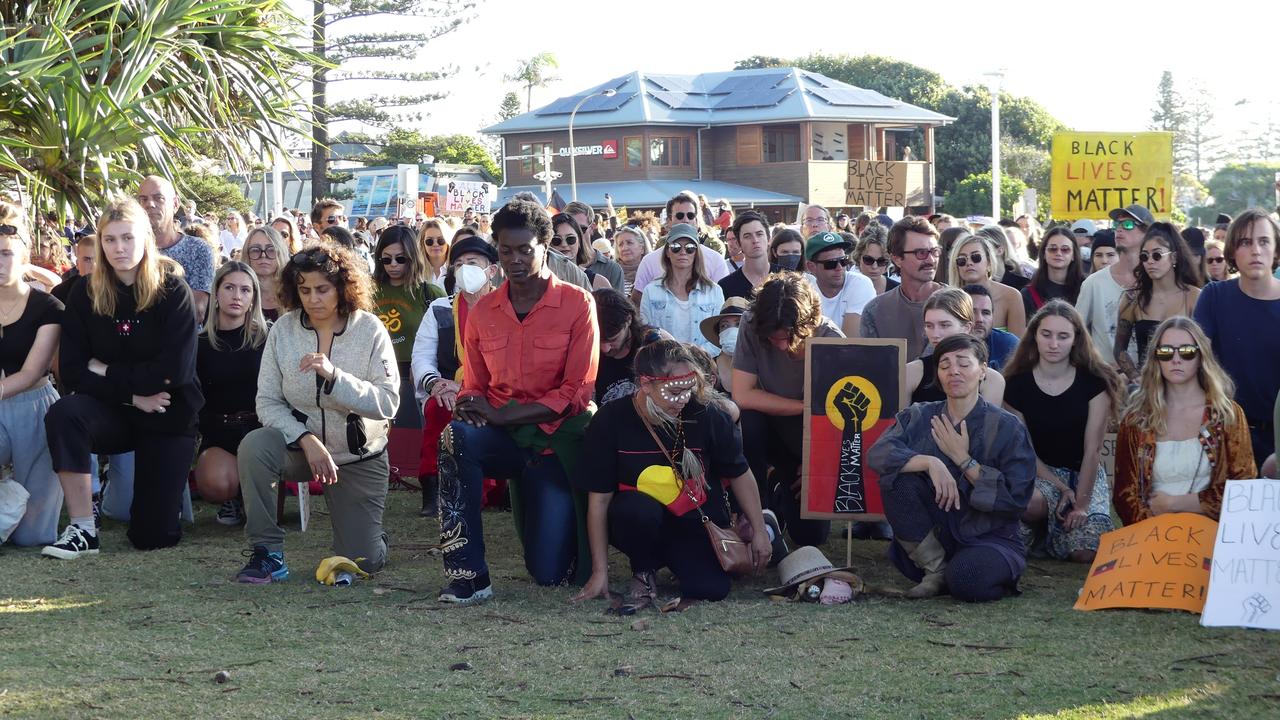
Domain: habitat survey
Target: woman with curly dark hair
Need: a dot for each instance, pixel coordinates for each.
(327, 388)
(768, 384)
(1168, 284)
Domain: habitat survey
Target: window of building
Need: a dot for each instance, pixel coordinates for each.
(531, 165)
(634, 149)
(669, 152)
(781, 143)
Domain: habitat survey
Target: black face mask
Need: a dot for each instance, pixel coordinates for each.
(789, 262)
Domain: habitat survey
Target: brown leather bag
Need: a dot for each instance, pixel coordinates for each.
(734, 554)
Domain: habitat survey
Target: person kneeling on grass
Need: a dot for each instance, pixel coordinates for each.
(327, 389)
(955, 476)
(653, 464)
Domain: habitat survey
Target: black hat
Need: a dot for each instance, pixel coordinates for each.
(1194, 238)
(1223, 219)
(473, 244)
(1104, 238)
(1135, 211)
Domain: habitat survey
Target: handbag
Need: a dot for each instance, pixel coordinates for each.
(732, 553)
(13, 505)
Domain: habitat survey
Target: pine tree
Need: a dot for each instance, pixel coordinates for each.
(337, 49)
(1170, 115)
(510, 107)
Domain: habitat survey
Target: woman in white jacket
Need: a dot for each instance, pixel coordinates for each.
(327, 390)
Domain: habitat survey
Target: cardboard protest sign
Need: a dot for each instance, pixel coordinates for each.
(1161, 562)
(876, 183)
(460, 196)
(853, 388)
(1094, 173)
(1244, 588)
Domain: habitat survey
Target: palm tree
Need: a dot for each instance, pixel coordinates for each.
(532, 73)
(96, 93)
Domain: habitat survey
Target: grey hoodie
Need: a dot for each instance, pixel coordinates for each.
(364, 392)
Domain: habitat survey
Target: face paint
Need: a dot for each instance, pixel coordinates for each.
(676, 390)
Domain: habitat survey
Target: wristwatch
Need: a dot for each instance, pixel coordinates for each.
(970, 463)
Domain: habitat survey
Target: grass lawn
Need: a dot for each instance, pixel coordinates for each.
(141, 635)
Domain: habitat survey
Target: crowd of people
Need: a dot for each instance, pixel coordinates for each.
(630, 381)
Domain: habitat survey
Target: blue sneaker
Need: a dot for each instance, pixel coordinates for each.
(263, 567)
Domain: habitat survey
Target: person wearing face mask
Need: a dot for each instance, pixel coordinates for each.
(437, 353)
(786, 250)
(723, 329)
(654, 466)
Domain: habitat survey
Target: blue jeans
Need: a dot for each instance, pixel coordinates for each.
(468, 455)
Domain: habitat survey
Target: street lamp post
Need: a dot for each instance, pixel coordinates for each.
(995, 76)
(573, 149)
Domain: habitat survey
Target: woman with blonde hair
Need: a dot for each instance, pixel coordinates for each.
(30, 324)
(228, 355)
(433, 240)
(1066, 395)
(1182, 436)
(975, 261)
(129, 355)
(266, 251)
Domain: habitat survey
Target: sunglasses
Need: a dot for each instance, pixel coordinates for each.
(973, 257)
(257, 253)
(678, 248)
(333, 219)
(1156, 255)
(314, 259)
(925, 253)
(1126, 224)
(557, 241)
(1058, 249)
(881, 261)
(1215, 261)
(833, 264)
(1186, 352)
(430, 241)
(8, 230)
(687, 216)
(398, 260)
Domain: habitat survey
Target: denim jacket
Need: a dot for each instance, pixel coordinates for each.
(658, 308)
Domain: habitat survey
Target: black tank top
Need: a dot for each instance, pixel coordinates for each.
(928, 389)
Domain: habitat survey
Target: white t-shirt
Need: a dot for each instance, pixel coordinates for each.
(852, 298)
(230, 242)
(651, 267)
(1099, 305)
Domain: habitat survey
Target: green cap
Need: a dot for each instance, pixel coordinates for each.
(825, 241)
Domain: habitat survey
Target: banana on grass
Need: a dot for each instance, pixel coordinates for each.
(329, 569)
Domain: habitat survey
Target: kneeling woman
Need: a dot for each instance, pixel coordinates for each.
(228, 356)
(955, 476)
(326, 391)
(653, 464)
(1183, 437)
(129, 355)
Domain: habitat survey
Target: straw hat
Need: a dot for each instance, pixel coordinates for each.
(733, 307)
(807, 563)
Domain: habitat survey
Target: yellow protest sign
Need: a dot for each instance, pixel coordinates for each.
(1094, 173)
(1161, 562)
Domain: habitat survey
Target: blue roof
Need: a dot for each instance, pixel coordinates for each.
(736, 97)
(653, 193)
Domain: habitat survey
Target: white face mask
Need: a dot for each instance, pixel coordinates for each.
(470, 278)
(1086, 253)
(729, 339)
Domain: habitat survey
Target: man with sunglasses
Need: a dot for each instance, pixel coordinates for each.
(328, 212)
(683, 208)
(899, 313)
(1099, 302)
(844, 294)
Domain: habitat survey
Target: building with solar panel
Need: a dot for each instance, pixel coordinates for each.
(767, 138)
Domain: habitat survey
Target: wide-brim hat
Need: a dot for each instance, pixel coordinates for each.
(733, 307)
(807, 563)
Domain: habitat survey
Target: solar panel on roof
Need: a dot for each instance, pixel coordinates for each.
(599, 103)
(673, 83)
(681, 101)
(749, 83)
(852, 97)
(752, 98)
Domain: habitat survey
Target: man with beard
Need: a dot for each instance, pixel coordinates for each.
(899, 313)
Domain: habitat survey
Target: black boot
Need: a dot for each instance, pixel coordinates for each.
(430, 495)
